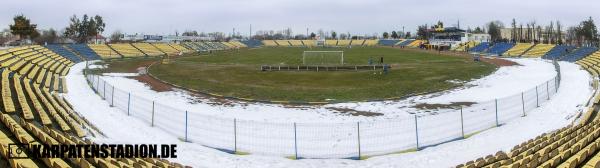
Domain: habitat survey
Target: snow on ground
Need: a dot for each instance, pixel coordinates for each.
(119, 128)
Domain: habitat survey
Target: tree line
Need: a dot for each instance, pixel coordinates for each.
(79, 30)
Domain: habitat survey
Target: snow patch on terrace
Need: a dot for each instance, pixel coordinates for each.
(119, 128)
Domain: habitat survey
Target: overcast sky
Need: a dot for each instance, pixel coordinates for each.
(354, 16)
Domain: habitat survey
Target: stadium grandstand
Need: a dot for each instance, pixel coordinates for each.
(370, 43)
(284, 43)
(387, 42)
(558, 52)
(357, 42)
(269, 43)
(498, 49)
(148, 49)
(165, 48)
(343, 43)
(538, 50)
(34, 111)
(481, 47)
(104, 51)
(579, 53)
(126, 50)
(518, 49)
(331, 43)
(84, 51)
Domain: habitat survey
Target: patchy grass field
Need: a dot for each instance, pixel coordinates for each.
(237, 73)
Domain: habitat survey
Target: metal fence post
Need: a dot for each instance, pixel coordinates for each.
(112, 97)
(358, 136)
(104, 91)
(234, 135)
(186, 126)
(97, 83)
(547, 90)
(295, 142)
(417, 131)
(537, 98)
(462, 123)
(152, 124)
(128, 102)
(523, 103)
(556, 84)
(497, 124)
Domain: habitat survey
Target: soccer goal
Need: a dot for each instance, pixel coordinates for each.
(323, 58)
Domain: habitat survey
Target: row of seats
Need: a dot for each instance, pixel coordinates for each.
(84, 51)
(148, 49)
(205, 46)
(481, 47)
(579, 53)
(252, 43)
(63, 51)
(387, 42)
(591, 63)
(32, 113)
(558, 52)
(104, 51)
(538, 50)
(127, 50)
(465, 46)
(518, 49)
(311, 43)
(38, 64)
(499, 48)
(575, 145)
(416, 43)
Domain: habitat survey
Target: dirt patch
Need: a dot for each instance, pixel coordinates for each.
(499, 62)
(354, 112)
(154, 84)
(453, 105)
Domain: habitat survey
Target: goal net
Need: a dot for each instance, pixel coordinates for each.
(323, 57)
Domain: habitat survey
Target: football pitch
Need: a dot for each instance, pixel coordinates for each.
(237, 74)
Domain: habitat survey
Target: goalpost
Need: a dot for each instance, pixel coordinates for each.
(323, 57)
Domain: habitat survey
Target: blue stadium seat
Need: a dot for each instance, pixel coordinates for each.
(252, 43)
(481, 47)
(499, 48)
(388, 42)
(579, 54)
(60, 50)
(558, 51)
(84, 51)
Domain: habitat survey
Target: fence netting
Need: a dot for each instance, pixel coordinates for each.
(325, 140)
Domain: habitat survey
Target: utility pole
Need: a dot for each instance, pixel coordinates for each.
(404, 33)
(249, 37)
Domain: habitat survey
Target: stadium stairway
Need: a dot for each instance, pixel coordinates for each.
(558, 52)
(579, 54)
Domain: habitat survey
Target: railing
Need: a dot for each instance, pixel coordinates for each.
(353, 140)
